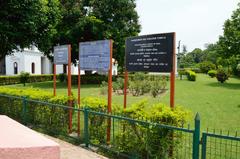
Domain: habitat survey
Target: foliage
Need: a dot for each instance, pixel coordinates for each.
(181, 73)
(206, 66)
(39, 115)
(229, 42)
(118, 86)
(62, 77)
(25, 22)
(158, 86)
(141, 83)
(24, 77)
(222, 75)
(7, 80)
(146, 139)
(212, 73)
(90, 20)
(191, 76)
(104, 88)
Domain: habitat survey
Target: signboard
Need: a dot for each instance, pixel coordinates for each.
(95, 55)
(61, 54)
(150, 53)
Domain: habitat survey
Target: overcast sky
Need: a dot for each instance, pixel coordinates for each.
(196, 22)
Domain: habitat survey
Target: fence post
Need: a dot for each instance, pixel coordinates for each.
(24, 110)
(204, 145)
(86, 133)
(196, 137)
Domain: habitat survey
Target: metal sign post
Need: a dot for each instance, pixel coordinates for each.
(70, 88)
(62, 55)
(109, 94)
(97, 56)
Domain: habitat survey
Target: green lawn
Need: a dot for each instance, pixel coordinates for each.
(218, 104)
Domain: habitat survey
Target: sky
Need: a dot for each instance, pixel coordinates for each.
(196, 22)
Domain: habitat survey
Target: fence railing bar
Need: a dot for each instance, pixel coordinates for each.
(141, 122)
(223, 136)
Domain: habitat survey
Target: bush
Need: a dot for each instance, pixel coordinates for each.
(104, 88)
(196, 70)
(118, 86)
(158, 86)
(62, 77)
(54, 120)
(24, 77)
(212, 73)
(191, 76)
(222, 75)
(7, 80)
(181, 73)
(150, 141)
(141, 84)
(206, 66)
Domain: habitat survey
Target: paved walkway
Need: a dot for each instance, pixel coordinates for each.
(69, 151)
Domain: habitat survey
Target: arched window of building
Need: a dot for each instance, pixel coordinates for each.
(33, 68)
(15, 68)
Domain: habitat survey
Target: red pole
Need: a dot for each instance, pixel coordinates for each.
(172, 76)
(54, 79)
(79, 84)
(125, 88)
(109, 94)
(69, 88)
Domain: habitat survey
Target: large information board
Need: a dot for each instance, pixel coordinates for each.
(94, 55)
(61, 54)
(150, 53)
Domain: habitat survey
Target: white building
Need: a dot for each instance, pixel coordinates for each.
(33, 61)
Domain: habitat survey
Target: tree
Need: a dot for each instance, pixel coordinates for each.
(96, 20)
(229, 43)
(25, 22)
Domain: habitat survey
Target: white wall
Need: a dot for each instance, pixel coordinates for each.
(32, 57)
(11, 59)
(25, 59)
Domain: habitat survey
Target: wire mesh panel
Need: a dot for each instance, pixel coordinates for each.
(12, 107)
(139, 139)
(220, 146)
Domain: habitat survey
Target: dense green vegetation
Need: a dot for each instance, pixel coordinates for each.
(46, 23)
(217, 103)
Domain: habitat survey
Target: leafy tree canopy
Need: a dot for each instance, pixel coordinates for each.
(87, 20)
(27, 22)
(229, 43)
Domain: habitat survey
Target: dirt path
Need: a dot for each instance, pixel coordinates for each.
(69, 151)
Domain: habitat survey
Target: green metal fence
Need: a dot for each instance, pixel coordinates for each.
(148, 140)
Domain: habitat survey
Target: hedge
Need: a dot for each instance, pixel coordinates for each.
(54, 120)
(8, 80)
(85, 79)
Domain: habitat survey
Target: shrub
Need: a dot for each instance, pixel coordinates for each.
(181, 73)
(24, 77)
(54, 120)
(62, 77)
(150, 141)
(141, 84)
(7, 80)
(196, 70)
(206, 66)
(104, 88)
(118, 86)
(212, 73)
(191, 76)
(222, 75)
(158, 86)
